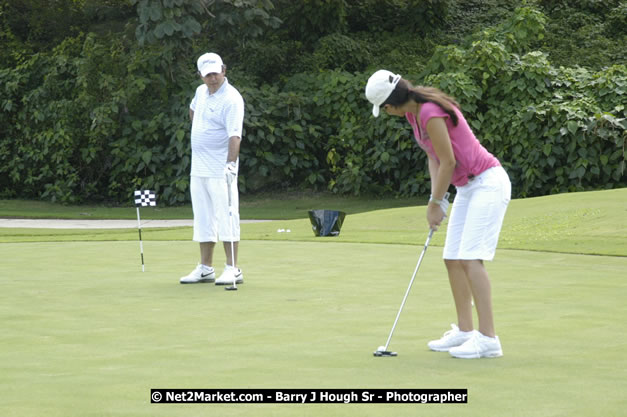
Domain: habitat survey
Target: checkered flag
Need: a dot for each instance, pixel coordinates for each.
(145, 198)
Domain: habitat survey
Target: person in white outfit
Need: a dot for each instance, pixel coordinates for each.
(217, 116)
(455, 157)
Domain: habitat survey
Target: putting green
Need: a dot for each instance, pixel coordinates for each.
(86, 333)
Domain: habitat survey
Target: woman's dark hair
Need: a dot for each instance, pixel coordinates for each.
(404, 92)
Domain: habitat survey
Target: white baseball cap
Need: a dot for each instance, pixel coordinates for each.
(380, 86)
(209, 63)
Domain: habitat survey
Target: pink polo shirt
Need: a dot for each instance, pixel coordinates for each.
(472, 158)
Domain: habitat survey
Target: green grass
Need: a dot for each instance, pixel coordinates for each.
(282, 206)
(86, 333)
(47, 210)
(587, 223)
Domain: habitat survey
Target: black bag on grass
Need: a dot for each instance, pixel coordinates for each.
(326, 222)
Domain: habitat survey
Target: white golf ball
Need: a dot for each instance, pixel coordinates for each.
(381, 349)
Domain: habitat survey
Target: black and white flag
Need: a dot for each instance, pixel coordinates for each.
(145, 198)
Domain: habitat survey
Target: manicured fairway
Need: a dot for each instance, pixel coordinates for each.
(86, 333)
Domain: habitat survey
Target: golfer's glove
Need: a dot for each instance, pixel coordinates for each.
(230, 172)
(443, 203)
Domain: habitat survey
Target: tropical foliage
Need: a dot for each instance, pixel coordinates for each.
(94, 93)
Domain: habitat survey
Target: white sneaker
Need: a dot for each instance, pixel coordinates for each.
(230, 275)
(478, 346)
(452, 338)
(200, 274)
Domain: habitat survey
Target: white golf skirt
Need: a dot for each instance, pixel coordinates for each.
(210, 203)
(477, 216)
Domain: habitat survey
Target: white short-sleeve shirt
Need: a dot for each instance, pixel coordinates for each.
(217, 117)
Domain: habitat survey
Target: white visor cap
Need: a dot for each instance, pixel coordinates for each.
(380, 86)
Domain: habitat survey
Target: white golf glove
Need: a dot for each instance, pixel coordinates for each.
(230, 172)
(444, 203)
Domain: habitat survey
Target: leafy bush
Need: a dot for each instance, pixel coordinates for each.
(309, 20)
(554, 129)
(97, 117)
(281, 141)
(175, 21)
(340, 52)
(586, 32)
(594, 6)
(40, 23)
(616, 24)
(410, 17)
(86, 125)
(364, 155)
(268, 61)
(466, 17)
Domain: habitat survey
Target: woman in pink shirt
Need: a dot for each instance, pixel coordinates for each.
(483, 192)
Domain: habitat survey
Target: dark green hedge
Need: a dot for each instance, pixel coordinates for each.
(98, 117)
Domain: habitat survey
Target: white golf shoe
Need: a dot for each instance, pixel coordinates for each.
(451, 339)
(200, 274)
(478, 346)
(230, 275)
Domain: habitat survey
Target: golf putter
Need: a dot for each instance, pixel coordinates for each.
(234, 286)
(383, 350)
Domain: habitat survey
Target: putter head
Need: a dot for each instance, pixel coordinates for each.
(231, 288)
(379, 353)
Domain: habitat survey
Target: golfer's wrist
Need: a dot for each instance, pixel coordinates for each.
(434, 201)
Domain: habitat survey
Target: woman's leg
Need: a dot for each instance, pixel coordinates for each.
(482, 293)
(462, 294)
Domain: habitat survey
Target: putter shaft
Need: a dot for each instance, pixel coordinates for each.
(234, 286)
(411, 282)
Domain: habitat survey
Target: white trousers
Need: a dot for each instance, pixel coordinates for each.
(477, 216)
(210, 202)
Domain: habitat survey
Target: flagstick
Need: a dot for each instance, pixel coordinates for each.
(141, 246)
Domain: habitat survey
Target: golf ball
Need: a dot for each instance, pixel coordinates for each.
(381, 349)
